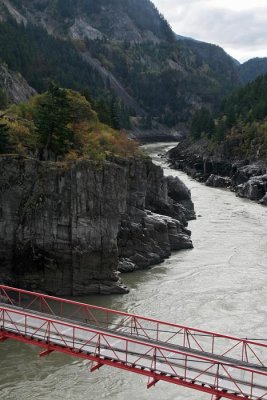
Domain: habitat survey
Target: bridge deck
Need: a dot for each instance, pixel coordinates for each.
(115, 346)
(213, 363)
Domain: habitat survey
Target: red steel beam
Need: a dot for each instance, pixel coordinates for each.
(139, 371)
(190, 331)
(27, 337)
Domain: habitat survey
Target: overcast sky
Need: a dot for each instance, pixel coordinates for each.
(239, 26)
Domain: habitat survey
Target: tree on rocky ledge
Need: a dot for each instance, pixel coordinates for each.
(51, 119)
(61, 124)
(3, 138)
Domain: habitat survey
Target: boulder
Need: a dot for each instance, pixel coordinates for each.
(218, 181)
(263, 201)
(253, 189)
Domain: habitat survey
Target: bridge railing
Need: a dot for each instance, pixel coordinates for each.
(211, 343)
(151, 359)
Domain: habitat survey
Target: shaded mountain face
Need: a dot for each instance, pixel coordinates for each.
(238, 131)
(212, 54)
(115, 48)
(13, 87)
(222, 62)
(131, 20)
(251, 69)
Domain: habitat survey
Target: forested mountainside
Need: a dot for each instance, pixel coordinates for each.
(216, 57)
(131, 20)
(122, 54)
(122, 49)
(230, 149)
(241, 124)
(213, 55)
(251, 69)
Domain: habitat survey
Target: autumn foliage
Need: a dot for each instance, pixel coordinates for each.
(61, 124)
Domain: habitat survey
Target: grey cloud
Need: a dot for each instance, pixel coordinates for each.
(243, 31)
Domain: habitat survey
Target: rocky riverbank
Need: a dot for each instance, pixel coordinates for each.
(69, 228)
(248, 178)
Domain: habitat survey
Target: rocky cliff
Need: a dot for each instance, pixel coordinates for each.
(66, 228)
(246, 177)
(14, 85)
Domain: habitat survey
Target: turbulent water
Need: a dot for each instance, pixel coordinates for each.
(220, 285)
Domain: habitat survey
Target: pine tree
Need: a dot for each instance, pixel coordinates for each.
(51, 119)
(3, 138)
(114, 114)
(202, 123)
(3, 99)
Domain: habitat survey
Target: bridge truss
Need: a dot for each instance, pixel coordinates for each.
(223, 366)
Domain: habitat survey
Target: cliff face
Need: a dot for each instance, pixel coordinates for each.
(130, 20)
(14, 85)
(63, 226)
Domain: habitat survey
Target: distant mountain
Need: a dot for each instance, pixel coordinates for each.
(218, 60)
(122, 53)
(216, 57)
(251, 69)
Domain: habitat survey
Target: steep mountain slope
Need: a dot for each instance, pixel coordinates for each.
(251, 69)
(122, 52)
(231, 151)
(214, 56)
(131, 20)
(239, 130)
(13, 87)
(129, 47)
(222, 62)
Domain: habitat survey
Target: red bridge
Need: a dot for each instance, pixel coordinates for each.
(223, 366)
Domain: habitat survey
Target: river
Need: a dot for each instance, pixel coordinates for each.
(220, 285)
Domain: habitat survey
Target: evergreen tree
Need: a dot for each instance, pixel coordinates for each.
(51, 118)
(3, 99)
(221, 129)
(202, 123)
(114, 114)
(102, 108)
(3, 138)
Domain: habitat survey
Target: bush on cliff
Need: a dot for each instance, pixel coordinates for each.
(60, 124)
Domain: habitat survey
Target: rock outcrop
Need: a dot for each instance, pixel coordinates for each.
(245, 177)
(218, 181)
(15, 86)
(67, 228)
(255, 188)
(155, 222)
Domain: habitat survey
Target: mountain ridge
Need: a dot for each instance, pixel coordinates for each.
(129, 51)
